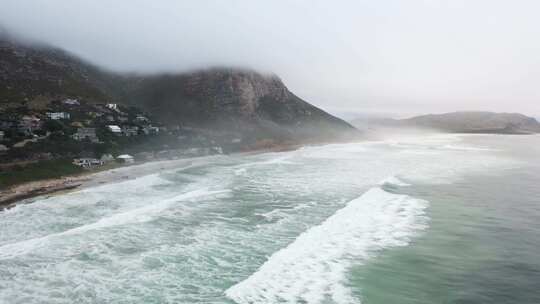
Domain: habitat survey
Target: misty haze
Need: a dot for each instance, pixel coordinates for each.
(269, 152)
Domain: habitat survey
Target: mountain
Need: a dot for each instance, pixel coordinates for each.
(478, 122)
(33, 72)
(234, 101)
(464, 122)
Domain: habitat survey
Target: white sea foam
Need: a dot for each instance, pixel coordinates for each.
(467, 148)
(313, 268)
(281, 159)
(240, 171)
(138, 215)
(282, 212)
(142, 214)
(142, 183)
(85, 246)
(393, 180)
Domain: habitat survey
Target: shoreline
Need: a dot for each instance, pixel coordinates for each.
(17, 194)
(10, 197)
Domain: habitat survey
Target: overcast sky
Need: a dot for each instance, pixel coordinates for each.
(377, 56)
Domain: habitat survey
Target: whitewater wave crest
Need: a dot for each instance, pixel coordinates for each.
(312, 269)
(138, 215)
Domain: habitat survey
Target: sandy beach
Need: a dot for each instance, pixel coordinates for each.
(24, 192)
(21, 193)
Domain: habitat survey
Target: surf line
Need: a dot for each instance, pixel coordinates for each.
(313, 268)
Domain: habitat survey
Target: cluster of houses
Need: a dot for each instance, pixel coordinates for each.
(84, 122)
(84, 119)
(89, 163)
(25, 125)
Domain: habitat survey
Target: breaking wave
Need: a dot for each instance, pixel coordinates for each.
(138, 215)
(394, 181)
(312, 269)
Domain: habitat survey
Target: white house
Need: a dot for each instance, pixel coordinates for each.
(130, 131)
(58, 115)
(125, 158)
(150, 130)
(112, 106)
(115, 129)
(87, 162)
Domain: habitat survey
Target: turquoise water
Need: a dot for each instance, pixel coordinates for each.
(438, 219)
(483, 244)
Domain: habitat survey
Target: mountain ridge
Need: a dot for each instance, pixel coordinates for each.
(463, 122)
(234, 100)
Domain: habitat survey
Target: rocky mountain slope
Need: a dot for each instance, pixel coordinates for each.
(465, 122)
(237, 100)
(241, 102)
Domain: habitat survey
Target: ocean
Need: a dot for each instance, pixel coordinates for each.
(441, 218)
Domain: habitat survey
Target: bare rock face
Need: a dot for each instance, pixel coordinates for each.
(238, 100)
(234, 91)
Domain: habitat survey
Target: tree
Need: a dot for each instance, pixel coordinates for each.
(53, 126)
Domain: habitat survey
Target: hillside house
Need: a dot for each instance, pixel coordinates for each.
(58, 115)
(149, 130)
(115, 129)
(112, 106)
(86, 134)
(87, 162)
(130, 131)
(71, 102)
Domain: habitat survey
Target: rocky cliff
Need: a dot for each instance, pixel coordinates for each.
(240, 100)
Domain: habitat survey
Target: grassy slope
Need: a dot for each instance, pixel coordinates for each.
(37, 171)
